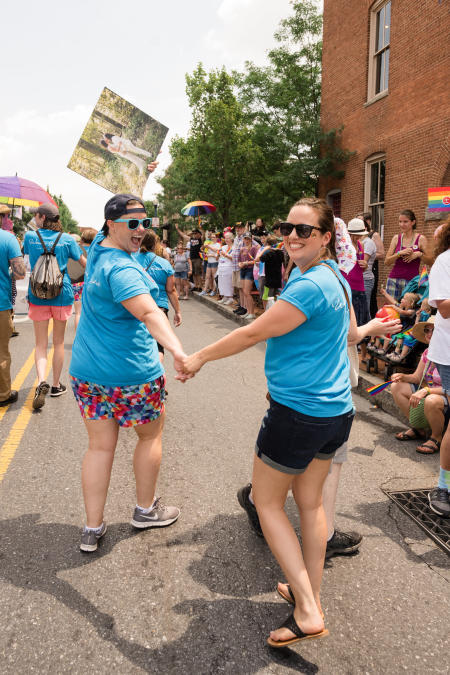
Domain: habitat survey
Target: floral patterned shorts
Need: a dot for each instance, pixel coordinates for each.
(77, 290)
(129, 405)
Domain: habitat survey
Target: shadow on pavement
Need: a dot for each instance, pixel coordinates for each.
(224, 634)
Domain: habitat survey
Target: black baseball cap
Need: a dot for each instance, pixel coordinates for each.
(117, 206)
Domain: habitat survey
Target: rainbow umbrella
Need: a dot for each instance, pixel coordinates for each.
(197, 208)
(21, 192)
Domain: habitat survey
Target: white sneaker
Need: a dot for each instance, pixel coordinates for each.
(222, 301)
(212, 294)
(249, 317)
(203, 293)
(229, 302)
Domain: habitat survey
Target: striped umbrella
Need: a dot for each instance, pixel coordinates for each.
(197, 208)
(21, 192)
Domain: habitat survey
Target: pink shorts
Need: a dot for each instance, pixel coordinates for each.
(45, 312)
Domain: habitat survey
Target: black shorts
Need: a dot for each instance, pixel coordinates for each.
(166, 312)
(288, 440)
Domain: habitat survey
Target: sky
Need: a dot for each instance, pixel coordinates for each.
(58, 56)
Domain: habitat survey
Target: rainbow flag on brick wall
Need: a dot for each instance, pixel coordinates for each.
(439, 199)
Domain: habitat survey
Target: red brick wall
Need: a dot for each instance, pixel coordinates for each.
(411, 125)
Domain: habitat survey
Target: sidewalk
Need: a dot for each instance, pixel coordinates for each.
(383, 400)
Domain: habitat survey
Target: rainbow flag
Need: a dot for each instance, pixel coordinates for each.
(378, 387)
(423, 279)
(439, 199)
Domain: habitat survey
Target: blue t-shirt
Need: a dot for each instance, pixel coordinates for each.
(160, 270)
(111, 346)
(66, 248)
(308, 369)
(9, 248)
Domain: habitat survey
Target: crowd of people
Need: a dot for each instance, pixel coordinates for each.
(321, 275)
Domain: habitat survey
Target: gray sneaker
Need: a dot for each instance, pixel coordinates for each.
(39, 395)
(438, 500)
(89, 539)
(159, 516)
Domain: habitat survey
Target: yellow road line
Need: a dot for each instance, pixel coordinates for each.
(21, 377)
(11, 444)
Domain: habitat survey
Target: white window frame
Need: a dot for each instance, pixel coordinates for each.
(373, 53)
(368, 204)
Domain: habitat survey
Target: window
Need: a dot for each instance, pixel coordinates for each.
(380, 35)
(334, 200)
(374, 191)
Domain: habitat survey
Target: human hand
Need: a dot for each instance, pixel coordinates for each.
(241, 265)
(192, 364)
(177, 319)
(398, 377)
(380, 328)
(178, 361)
(152, 166)
(417, 397)
(362, 264)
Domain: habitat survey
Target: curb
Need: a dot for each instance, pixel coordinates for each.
(383, 400)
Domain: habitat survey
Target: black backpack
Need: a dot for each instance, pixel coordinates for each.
(46, 280)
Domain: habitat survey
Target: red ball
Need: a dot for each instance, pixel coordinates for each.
(387, 313)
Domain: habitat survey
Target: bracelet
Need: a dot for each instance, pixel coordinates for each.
(428, 390)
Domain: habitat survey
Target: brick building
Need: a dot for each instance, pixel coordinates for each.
(386, 70)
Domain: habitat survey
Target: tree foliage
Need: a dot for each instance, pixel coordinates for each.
(255, 144)
(65, 216)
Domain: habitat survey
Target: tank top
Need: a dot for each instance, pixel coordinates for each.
(355, 277)
(403, 269)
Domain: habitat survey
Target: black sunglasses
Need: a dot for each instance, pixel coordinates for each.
(303, 230)
(133, 223)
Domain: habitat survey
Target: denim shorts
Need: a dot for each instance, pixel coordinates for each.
(213, 265)
(288, 440)
(247, 273)
(180, 275)
(444, 372)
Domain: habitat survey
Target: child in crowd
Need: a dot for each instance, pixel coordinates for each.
(405, 341)
(407, 310)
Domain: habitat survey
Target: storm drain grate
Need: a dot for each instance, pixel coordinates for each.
(415, 504)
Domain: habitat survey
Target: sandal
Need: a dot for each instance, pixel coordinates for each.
(289, 596)
(424, 449)
(379, 352)
(293, 626)
(395, 357)
(404, 436)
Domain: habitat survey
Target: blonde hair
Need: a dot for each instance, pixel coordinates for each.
(411, 298)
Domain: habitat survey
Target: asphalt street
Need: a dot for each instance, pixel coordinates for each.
(199, 597)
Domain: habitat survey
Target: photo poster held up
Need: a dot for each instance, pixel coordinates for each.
(117, 144)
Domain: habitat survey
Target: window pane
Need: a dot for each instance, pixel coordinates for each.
(381, 61)
(374, 182)
(380, 30)
(387, 24)
(382, 180)
(386, 69)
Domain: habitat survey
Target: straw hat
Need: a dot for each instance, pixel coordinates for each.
(418, 329)
(4, 210)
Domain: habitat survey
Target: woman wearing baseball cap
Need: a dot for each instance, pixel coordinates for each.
(116, 374)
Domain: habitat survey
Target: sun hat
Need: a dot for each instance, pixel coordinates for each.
(419, 328)
(247, 235)
(4, 210)
(356, 226)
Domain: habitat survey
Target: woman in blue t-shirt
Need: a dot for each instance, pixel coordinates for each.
(311, 409)
(59, 309)
(116, 376)
(161, 271)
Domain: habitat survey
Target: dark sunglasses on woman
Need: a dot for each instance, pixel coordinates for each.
(303, 231)
(133, 223)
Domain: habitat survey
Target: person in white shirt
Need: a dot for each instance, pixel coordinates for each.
(225, 270)
(439, 354)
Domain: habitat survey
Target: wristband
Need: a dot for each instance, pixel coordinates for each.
(427, 389)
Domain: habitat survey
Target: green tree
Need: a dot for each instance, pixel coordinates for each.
(217, 160)
(282, 105)
(67, 221)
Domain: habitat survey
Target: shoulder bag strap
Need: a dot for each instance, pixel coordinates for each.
(42, 241)
(52, 250)
(349, 304)
(154, 258)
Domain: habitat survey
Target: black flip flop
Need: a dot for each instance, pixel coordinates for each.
(289, 597)
(403, 436)
(293, 626)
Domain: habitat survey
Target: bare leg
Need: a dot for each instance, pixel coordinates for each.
(270, 489)
(147, 460)
(40, 353)
(96, 467)
(329, 495)
(59, 328)
(434, 412)
(401, 392)
(77, 308)
(186, 288)
(248, 298)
